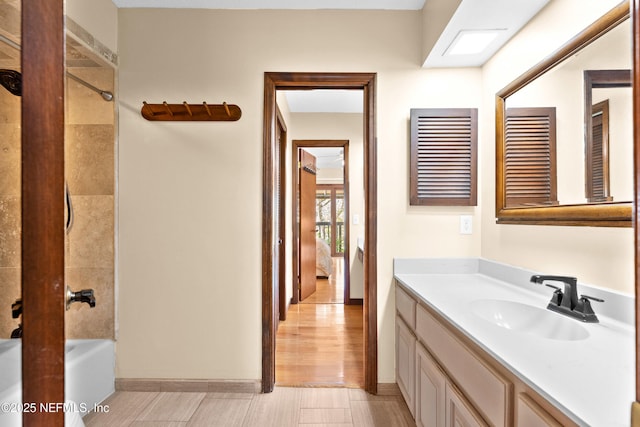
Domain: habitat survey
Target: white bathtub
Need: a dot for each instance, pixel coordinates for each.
(89, 377)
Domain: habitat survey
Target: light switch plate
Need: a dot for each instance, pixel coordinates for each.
(466, 224)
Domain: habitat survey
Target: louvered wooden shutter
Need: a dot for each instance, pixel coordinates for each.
(597, 167)
(530, 156)
(443, 156)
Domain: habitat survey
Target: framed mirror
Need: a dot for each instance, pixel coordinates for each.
(564, 132)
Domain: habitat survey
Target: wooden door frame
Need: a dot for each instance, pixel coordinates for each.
(310, 143)
(635, 22)
(282, 156)
(42, 259)
(304, 81)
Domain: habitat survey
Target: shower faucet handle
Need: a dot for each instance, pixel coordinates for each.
(85, 295)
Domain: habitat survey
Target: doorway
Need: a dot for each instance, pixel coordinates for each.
(301, 81)
(329, 225)
(321, 342)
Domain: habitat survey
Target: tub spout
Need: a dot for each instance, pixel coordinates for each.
(85, 295)
(17, 332)
(16, 311)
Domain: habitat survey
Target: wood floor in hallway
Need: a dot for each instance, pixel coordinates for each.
(321, 344)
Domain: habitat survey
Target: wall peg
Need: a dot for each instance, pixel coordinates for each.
(187, 107)
(190, 112)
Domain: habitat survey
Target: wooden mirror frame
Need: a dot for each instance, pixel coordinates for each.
(600, 215)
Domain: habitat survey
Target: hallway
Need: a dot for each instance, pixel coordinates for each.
(321, 342)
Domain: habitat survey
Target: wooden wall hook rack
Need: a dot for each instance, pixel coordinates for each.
(190, 112)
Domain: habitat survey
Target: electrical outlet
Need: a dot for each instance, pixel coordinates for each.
(466, 224)
(356, 219)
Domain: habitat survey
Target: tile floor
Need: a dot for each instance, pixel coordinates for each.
(285, 407)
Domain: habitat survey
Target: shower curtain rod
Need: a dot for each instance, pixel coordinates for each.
(106, 95)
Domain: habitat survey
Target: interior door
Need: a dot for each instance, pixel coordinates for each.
(307, 234)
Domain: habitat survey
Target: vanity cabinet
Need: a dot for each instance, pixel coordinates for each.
(449, 381)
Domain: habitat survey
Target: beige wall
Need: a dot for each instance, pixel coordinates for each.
(598, 256)
(435, 17)
(190, 193)
(564, 89)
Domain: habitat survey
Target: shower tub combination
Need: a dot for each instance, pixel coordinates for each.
(89, 378)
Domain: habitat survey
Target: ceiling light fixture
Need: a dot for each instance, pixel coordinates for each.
(472, 42)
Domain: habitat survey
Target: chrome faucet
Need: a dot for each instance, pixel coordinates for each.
(567, 302)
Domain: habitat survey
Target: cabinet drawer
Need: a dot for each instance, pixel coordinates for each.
(459, 412)
(485, 388)
(406, 307)
(530, 414)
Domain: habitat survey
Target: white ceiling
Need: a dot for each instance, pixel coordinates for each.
(325, 101)
(327, 157)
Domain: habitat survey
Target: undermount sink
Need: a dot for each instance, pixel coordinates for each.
(529, 319)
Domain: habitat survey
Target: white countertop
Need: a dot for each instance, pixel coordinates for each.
(591, 380)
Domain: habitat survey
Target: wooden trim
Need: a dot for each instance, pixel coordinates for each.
(367, 83)
(268, 326)
(370, 307)
(296, 144)
(635, 22)
(600, 215)
(43, 286)
(282, 242)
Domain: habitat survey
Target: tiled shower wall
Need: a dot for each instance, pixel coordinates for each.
(89, 164)
(9, 208)
(89, 169)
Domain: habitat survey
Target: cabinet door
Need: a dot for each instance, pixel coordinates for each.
(405, 362)
(460, 413)
(430, 391)
(530, 414)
